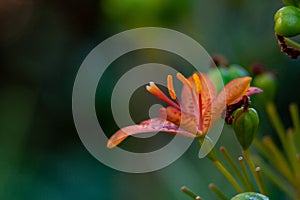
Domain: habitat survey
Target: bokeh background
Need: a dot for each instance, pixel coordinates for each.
(42, 45)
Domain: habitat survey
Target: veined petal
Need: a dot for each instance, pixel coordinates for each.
(190, 99)
(235, 89)
(151, 125)
(185, 121)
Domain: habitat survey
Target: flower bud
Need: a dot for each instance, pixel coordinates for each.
(220, 76)
(287, 21)
(250, 195)
(267, 82)
(245, 125)
(237, 71)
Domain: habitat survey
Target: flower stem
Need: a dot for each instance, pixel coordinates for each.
(296, 123)
(273, 115)
(293, 155)
(275, 178)
(292, 43)
(233, 166)
(213, 188)
(259, 174)
(253, 171)
(249, 185)
(188, 192)
(229, 177)
(279, 161)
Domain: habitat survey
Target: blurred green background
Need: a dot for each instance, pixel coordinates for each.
(43, 43)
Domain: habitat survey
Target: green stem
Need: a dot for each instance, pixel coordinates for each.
(246, 174)
(253, 171)
(275, 178)
(259, 174)
(273, 115)
(233, 166)
(276, 122)
(188, 192)
(296, 123)
(279, 160)
(292, 43)
(213, 188)
(293, 155)
(229, 177)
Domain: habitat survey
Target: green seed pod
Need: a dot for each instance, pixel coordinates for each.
(268, 83)
(237, 71)
(250, 195)
(245, 125)
(287, 21)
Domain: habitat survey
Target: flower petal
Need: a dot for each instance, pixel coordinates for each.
(235, 89)
(251, 90)
(190, 99)
(151, 125)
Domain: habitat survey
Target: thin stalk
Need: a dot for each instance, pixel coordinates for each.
(293, 155)
(249, 187)
(188, 192)
(279, 160)
(259, 174)
(253, 171)
(221, 196)
(229, 177)
(233, 166)
(292, 43)
(273, 115)
(275, 178)
(296, 124)
(276, 122)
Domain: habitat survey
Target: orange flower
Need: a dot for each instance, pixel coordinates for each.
(199, 110)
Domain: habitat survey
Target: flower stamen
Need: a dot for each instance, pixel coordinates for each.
(199, 91)
(197, 83)
(153, 89)
(171, 87)
(185, 81)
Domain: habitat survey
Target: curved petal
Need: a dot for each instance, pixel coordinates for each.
(251, 90)
(190, 99)
(151, 125)
(235, 89)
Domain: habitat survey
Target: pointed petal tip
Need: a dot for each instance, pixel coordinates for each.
(110, 144)
(254, 90)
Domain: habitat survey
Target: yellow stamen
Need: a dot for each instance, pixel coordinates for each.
(184, 81)
(197, 83)
(171, 87)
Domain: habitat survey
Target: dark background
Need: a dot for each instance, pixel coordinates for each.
(42, 45)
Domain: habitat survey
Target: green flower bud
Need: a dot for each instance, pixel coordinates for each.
(245, 125)
(220, 76)
(250, 195)
(237, 71)
(267, 82)
(207, 145)
(287, 21)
